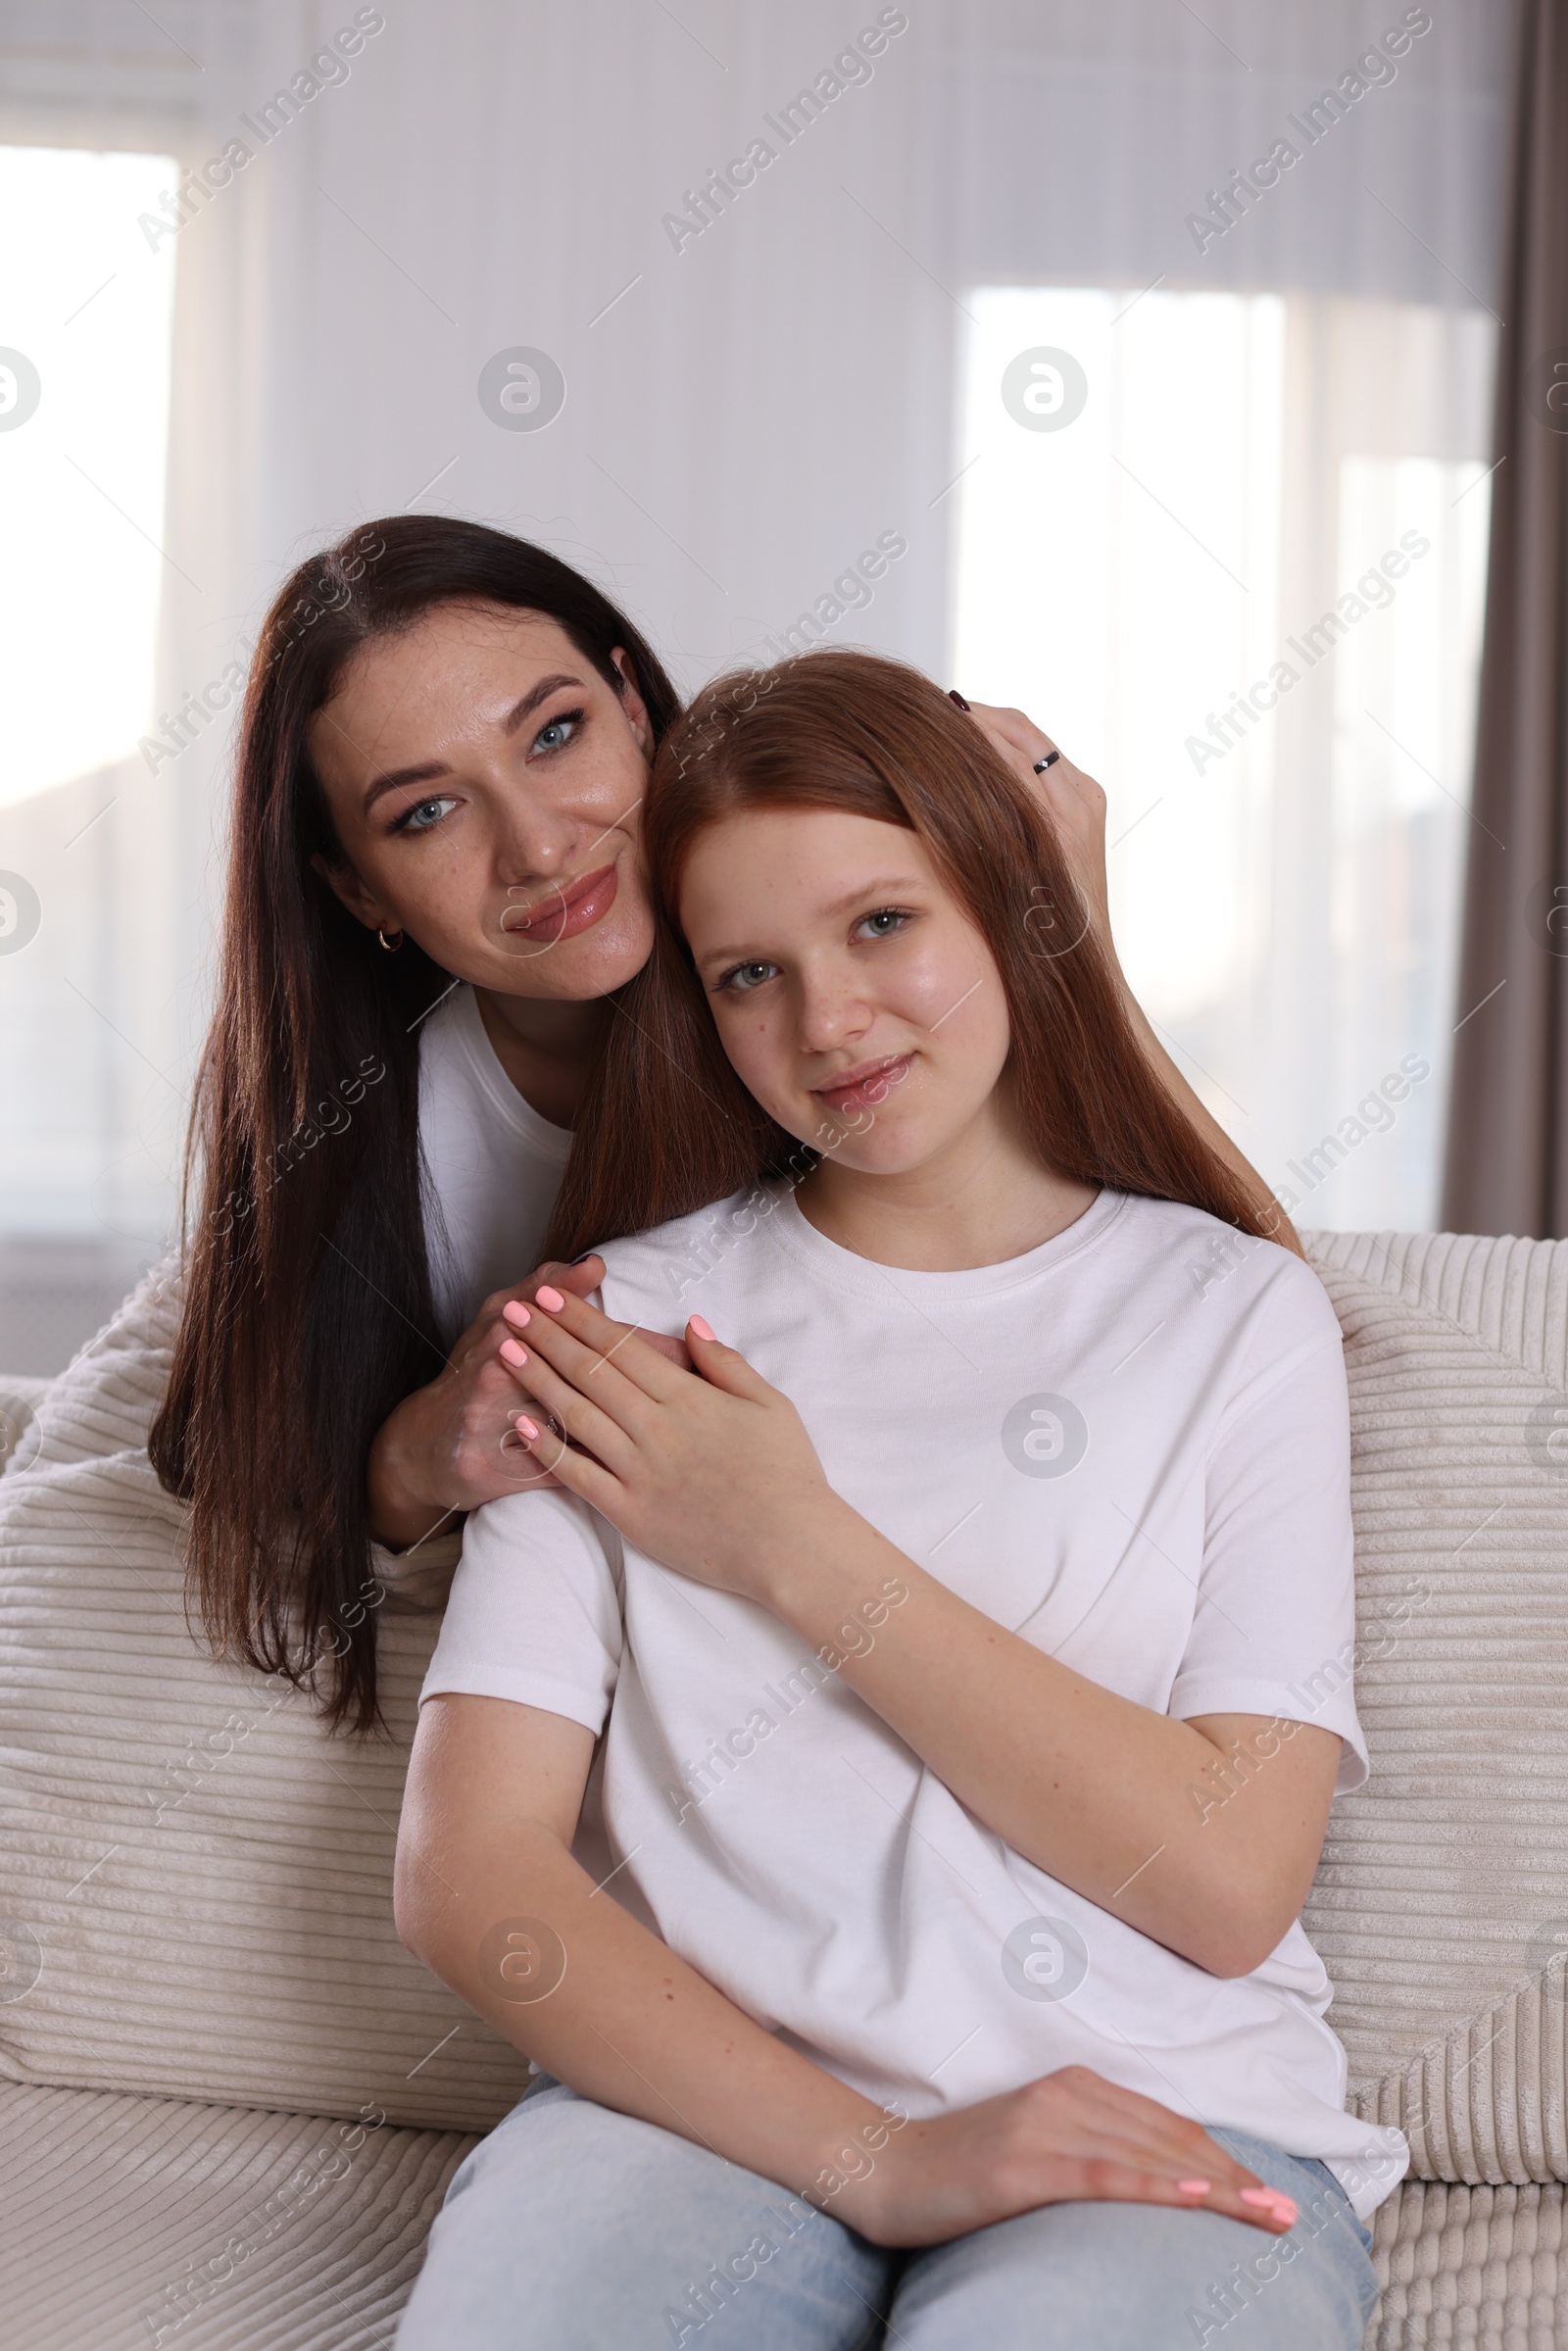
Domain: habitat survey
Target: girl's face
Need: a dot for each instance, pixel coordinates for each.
(855, 998)
(486, 785)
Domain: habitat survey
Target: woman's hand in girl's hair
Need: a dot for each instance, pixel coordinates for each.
(715, 1475)
(1073, 800)
(1069, 2137)
(451, 1446)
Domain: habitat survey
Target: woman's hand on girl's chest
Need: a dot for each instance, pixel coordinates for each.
(709, 1471)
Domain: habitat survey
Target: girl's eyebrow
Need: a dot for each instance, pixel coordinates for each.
(426, 770)
(898, 884)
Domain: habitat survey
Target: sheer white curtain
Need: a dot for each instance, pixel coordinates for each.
(749, 402)
(1233, 515)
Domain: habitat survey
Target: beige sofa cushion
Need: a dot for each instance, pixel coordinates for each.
(178, 2227)
(1471, 2269)
(195, 1881)
(1443, 1887)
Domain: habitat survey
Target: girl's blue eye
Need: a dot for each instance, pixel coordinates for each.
(556, 733)
(424, 814)
(745, 976)
(884, 923)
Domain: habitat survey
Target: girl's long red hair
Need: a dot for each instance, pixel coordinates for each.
(670, 1128)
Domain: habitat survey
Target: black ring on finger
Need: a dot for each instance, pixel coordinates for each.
(1050, 761)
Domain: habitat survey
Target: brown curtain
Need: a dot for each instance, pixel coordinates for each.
(1506, 1166)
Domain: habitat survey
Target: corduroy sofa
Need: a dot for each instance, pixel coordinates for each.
(230, 2102)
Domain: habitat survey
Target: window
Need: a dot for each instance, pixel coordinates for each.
(1230, 549)
(88, 1144)
(83, 479)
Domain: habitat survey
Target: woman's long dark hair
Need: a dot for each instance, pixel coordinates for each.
(670, 1127)
(308, 1311)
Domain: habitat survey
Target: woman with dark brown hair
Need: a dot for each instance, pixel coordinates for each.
(889, 1768)
(435, 905)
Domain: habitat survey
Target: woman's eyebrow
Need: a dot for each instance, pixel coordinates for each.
(427, 769)
(422, 774)
(534, 697)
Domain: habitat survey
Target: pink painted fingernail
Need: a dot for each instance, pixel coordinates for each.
(517, 1313)
(1271, 2200)
(513, 1354)
(703, 1329)
(550, 1299)
(525, 1427)
(1194, 2187)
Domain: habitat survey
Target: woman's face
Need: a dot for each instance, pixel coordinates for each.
(854, 995)
(486, 785)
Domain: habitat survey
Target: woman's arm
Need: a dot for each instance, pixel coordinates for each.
(1076, 805)
(717, 1477)
(488, 1895)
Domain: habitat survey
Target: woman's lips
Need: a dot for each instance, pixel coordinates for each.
(562, 913)
(862, 1089)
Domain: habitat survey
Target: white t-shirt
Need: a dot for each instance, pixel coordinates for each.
(1130, 1447)
(493, 1166)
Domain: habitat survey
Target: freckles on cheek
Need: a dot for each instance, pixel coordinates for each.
(752, 1044)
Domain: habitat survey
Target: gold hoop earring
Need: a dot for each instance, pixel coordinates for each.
(391, 945)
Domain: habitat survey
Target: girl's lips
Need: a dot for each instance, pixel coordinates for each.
(564, 912)
(859, 1090)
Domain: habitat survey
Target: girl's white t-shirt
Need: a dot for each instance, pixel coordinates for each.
(1131, 1446)
(492, 1165)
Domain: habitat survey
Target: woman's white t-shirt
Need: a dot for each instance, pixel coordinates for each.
(1130, 1447)
(492, 1165)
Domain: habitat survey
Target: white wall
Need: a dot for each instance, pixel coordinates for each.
(755, 409)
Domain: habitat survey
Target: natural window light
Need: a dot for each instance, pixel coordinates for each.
(1230, 551)
(84, 441)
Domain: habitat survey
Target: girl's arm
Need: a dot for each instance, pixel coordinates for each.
(488, 1895)
(444, 1450)
(717, 1477)
(1076, 805)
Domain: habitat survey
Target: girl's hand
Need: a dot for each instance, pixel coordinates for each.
(450, 1447)
(1069, 2137)
(1073, 800)
(712, 1475)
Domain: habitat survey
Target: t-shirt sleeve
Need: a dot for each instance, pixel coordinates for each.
(1274, 1630)
(534, 1613)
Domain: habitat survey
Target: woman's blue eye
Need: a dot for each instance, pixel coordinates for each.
(884, 923)
(555, 733)
(424, 814)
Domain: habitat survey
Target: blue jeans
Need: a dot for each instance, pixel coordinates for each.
(575, 2229)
